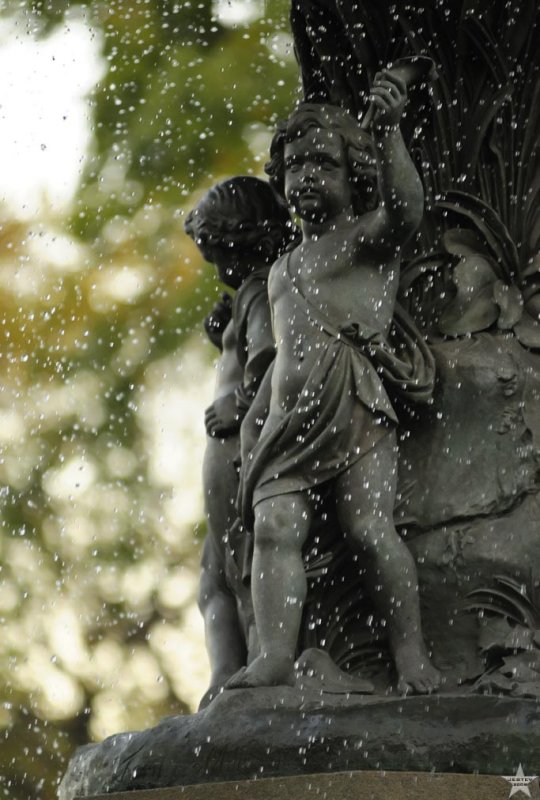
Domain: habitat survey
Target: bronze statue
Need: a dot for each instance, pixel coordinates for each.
(241, 228)
(330, 419)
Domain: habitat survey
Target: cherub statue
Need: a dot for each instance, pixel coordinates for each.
(331, 420)
(240, 227)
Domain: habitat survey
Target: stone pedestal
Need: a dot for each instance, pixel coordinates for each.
(246, 736)
(343, 786)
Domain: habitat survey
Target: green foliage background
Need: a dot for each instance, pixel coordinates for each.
(181, 105)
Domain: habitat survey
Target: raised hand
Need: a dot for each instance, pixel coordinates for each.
(388, 95)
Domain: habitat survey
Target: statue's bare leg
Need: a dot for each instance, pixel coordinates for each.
(365, 496)
(225, 639)
(279, 588)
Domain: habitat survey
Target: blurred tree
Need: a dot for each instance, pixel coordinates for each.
(103, 370)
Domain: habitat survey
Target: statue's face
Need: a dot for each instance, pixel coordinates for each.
(317, 184)
(227, 261)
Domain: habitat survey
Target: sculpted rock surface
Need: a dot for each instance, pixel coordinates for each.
(254, 734)
(476, 450)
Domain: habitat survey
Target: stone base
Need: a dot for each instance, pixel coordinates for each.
(343, 786)
(274, 733)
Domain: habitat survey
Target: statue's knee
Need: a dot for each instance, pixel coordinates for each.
(370, 531)
(281, 523)
(266, 532)
(276, 531)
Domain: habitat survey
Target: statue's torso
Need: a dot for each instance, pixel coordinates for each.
(341, 279)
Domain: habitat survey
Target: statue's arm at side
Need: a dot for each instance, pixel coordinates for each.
(255, 418)
(255, 341)
(260, 350)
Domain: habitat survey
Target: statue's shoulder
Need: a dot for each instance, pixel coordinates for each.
(278, 270)
(252, 289)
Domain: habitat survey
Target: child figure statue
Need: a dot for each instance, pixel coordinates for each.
(240, 227)
(333, 299)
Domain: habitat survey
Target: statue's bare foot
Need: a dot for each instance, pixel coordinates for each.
(316, 670)
(416, 673)
(263, 671)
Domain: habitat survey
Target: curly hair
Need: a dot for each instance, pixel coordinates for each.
(358, 147)
(242, 214)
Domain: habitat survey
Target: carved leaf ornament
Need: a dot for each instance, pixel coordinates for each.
(509, 638)
(490, 288)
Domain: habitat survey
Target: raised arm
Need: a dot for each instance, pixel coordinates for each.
(402, 198)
